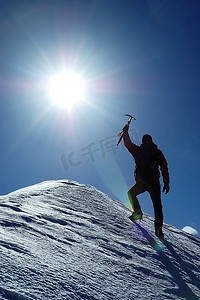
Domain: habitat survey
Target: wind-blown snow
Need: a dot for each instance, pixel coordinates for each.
(65, 240)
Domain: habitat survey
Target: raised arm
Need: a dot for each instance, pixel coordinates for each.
(128, 143)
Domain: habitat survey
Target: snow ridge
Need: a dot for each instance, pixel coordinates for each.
(66, 240)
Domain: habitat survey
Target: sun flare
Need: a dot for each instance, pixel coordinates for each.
(66, 89)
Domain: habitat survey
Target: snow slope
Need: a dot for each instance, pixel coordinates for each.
(65, 240)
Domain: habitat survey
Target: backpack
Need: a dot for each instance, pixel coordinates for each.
(147, 161)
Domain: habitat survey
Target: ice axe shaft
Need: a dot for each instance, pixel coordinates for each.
(128, 123)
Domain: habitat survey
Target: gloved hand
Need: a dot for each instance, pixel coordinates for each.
(166, 188)
(126, 128)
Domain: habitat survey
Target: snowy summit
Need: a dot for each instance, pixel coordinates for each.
(65, 240)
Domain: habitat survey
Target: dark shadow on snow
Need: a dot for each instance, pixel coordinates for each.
(181, 262)
(184, 289)
(11, 295)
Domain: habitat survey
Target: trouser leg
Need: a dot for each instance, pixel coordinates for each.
(137, 189)
(155, 193)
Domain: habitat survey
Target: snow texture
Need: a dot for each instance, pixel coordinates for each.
(65, 240)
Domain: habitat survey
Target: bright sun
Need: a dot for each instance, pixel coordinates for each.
(66, 89)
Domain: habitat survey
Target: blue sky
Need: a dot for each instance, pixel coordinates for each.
(137, 57)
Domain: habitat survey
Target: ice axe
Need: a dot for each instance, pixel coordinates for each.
(128, 123)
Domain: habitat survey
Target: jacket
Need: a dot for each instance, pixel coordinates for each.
(147, 149)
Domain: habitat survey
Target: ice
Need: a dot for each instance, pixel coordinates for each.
(66, 240)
